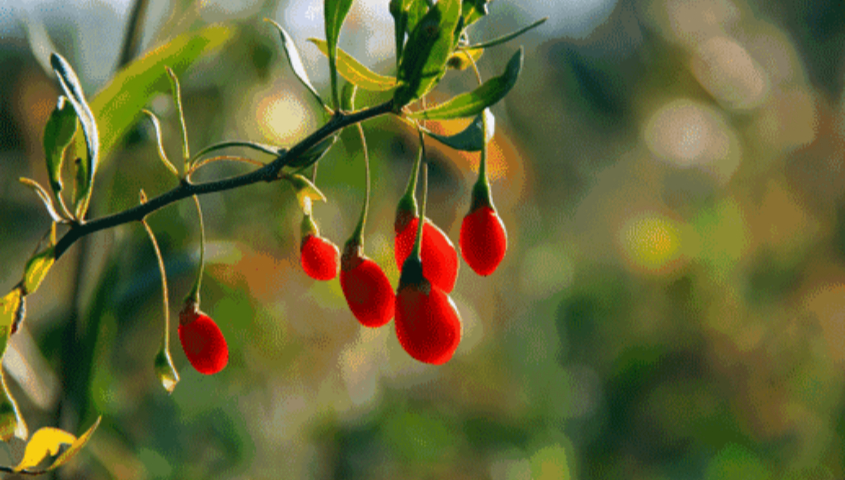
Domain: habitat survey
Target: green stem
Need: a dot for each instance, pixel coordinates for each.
(408, 202)
(194, 295)
(166, 341)
(481, 189)
(418, 241)
(358, 234)
(268, 149)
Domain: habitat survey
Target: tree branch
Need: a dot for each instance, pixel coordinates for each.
(268, 173)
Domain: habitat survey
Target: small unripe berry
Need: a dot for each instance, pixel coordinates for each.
(483, 240)
(202, 340)
(438, 254)
(320, 258)
(428, 325)
(367, 290)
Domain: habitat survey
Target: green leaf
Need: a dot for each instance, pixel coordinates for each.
(161, 153)
(355, 72)
(406, 14)
(427, 51)
(70, 84)
(9, 307)
(120, 102)
(314, 153)
(473, 10)
(36, 269)
(45, 198)
(347, 97)
(508, 37)
(295, 61)
(76, 446)
(335, 12)
(470, 139)
(474, 102)
(59, 131)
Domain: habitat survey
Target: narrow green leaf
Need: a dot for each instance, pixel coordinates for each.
(120, 102)
(427, 51)
(295, 61)
(76, 446)
(508, 37)
(36, 269)
(335, 12)
(474, 10)
(356, 72)
(347, 97)
(314, 153)
(45, 198)
(58, 133)
(470, 139)
(161, 153)
(406, 14)
(70, 84)
(474, 102)
(9, 307)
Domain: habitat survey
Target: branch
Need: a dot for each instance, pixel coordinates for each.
(267, 173)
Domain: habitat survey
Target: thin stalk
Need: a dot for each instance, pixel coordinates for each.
(418, 241)
(166, 341)
(358, 234)
(194, 294)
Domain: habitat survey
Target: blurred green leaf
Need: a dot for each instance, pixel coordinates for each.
(470, 139)
(474, 102)
(356, 72)
(119, 103)
(9, 306)
(473, 10)
(59, 131)
(427, 51)
(85, 170)
(11, 422)
(36, 269)
(295, 61)
(508, 37)
(335, 12)
(44, 196)
(76, 446)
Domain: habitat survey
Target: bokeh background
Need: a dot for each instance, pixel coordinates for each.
(671, 306)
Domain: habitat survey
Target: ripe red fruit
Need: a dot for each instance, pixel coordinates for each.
(483, 240)
(439, 257)
(202, 341)
(428, 325)
(367, 290)
(320, 258)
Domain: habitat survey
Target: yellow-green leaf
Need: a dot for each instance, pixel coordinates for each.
(355, 72)
(462, 59)
(76, 446)
(37, 268)
(45, 442)
(9, 306)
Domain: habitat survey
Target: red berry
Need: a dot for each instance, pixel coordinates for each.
(439, 257)
(202, 341)
(366, 288)
(427, 323)
(320, 257)
(483, 240)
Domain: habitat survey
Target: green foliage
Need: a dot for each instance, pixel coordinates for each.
(473, 103)
(295, 61)
(335, 12)
(59, 131)
(472, 138)
(355, 72)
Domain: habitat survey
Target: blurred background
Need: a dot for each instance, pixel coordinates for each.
(671, 306)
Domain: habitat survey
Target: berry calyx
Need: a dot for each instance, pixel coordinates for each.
(320, 258)
(428, 325)
(202, 340)
(483, 240)
(438, 254)
(366, 288)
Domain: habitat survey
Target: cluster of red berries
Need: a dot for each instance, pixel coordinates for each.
(428, 325)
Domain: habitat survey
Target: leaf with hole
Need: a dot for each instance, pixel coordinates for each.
(474, 102)
(426, 52)
(355, 72)
(470, 139)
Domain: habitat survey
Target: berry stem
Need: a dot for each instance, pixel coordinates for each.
(166, 340)
(358, 235)
(481, 189)
(194, 295)
(418, 241)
